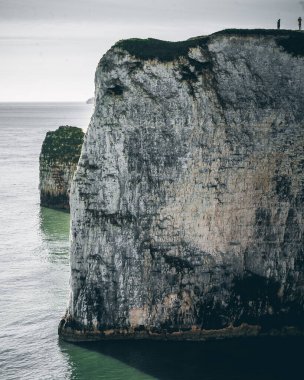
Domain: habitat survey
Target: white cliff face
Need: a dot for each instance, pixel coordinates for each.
(187, 204)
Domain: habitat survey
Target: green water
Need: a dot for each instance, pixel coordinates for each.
(86, 363)
(82, 362)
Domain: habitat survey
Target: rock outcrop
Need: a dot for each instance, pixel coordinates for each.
(187, 204)
(58, 161)
(90, 101)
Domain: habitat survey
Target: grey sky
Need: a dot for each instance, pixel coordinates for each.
(49, 48)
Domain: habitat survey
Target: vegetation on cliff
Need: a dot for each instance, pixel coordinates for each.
(64, 144)
(165, 51)
(58, 161)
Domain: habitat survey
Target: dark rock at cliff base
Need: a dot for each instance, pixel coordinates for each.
(187, 205)
(58, 161)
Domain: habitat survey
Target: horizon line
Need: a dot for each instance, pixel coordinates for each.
(44, 101)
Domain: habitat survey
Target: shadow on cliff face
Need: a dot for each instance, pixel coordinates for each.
(250, 359)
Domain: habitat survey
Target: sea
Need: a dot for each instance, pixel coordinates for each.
(34, 285)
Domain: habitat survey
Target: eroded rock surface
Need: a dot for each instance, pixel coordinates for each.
(58, 161)
(187, 204)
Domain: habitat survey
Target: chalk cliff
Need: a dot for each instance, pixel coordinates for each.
(58, 160)
(187, 204)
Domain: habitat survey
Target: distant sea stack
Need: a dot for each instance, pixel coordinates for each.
(187, 205)
(58, 161)
(90, 101)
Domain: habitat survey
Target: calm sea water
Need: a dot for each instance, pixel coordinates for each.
(34, 275)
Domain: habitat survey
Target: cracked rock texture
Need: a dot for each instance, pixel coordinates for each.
(58, 160)
(187, 204)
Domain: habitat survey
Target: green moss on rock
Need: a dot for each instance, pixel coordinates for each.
(290, 40)
(293, 44)
(58, 161)
(165, 51)
(64, 144)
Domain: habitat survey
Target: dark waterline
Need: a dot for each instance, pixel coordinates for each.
(250, 359)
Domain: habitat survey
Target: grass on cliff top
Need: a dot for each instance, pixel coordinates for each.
(293, 44)
(63, 145)
(165, 51)
(256, 32)
(292, 41)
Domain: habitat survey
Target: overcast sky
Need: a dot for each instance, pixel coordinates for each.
(49, 49)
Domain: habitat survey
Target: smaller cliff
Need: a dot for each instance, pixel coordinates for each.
(58, 161)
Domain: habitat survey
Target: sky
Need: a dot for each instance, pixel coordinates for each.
(49, 49)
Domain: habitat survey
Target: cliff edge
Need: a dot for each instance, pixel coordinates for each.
(187, 204)
(58, 160)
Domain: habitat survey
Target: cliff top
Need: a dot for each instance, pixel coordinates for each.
(150, 48)
(64, 144)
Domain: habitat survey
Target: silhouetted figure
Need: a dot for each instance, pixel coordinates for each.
(279, 23)
(300, 23)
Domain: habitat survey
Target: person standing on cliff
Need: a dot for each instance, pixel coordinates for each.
(300, 23)
(279, 23)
